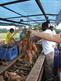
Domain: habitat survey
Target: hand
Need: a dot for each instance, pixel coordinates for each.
(32, 32)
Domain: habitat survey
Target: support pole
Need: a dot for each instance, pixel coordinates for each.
(41, 8)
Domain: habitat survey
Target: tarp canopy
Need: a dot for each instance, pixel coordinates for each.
(27, 12)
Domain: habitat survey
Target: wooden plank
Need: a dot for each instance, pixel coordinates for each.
(35, 72)
(4, 68)
(41, 73)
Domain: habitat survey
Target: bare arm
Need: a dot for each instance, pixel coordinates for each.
(46, 36)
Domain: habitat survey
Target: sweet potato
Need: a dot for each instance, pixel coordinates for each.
(28, 47)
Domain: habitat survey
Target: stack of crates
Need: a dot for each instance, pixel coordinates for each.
(2, 50)
(8, 53)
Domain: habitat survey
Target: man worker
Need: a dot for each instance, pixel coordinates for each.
(10, 37)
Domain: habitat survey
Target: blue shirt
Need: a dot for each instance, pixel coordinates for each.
(22, 35)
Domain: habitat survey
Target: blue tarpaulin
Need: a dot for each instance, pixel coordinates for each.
(28, 11)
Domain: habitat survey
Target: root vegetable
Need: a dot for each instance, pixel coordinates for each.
(27, 47)
(12, 76)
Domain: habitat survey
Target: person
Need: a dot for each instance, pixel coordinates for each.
(54, 32)
(47, 36)
(48, 51)
(9, 41)
(22, 33)
(10, 37)
(56, 53)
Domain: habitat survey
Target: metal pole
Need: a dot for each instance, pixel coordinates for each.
(13, 2)
(3, 19)
(41, 8)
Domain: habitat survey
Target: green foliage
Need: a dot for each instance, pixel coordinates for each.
(3, 30)
(37, 27)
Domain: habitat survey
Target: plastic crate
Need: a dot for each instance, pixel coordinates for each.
(2, 50)
(8, 53)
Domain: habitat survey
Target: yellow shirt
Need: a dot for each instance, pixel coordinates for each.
(9, 38)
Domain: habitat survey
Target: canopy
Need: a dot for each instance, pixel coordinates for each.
(28, 12)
